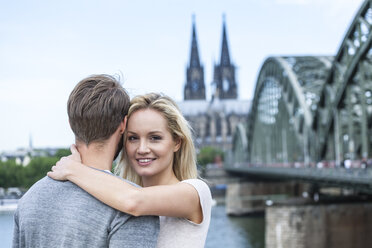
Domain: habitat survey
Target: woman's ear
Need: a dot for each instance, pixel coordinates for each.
(177, 146)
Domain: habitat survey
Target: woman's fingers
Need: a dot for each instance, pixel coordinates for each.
(52, 173)
(60, 161)
(75, 155)
(59, 171)
(56, 173)
(73, 149)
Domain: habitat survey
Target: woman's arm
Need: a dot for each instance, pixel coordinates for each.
(177, 200)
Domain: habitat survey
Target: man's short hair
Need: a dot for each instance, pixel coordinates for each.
(96, 107)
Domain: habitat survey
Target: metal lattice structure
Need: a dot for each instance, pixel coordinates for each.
(343, 120)
(308, 109)
(285, 100)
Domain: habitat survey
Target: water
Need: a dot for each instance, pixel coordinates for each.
(6, 229)
(224, 231)
(235, 232)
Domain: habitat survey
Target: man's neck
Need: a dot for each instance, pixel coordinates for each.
(98, 158)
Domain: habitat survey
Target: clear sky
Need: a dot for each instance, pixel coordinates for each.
(47, 46)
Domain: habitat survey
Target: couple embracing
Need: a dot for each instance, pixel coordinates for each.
(157, 201)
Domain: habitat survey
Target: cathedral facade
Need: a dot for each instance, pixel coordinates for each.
(213, 121)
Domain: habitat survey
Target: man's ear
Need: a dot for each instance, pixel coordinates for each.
(125, 122)
(177, 146)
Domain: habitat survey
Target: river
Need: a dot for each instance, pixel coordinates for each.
(224, 231)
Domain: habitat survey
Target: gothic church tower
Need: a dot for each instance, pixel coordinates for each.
(194, 87)
(213, 121)
(224, 73)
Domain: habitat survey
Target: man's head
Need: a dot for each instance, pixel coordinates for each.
(96, 107)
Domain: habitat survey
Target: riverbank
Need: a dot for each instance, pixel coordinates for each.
(8, 205)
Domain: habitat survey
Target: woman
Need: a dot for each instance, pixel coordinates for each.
(159, 155)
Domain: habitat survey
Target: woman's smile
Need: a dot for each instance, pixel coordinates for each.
(145, 161)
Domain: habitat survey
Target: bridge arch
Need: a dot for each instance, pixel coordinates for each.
(240, 144)
(313, 108)
(285, 99)
(343, 120)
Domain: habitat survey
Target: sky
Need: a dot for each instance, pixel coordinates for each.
(48, 46)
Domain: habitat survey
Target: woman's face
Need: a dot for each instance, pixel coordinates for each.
(150, 146)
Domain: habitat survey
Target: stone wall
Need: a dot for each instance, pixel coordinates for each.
(320, 226)
(252, 197)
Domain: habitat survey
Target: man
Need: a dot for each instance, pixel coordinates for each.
(60, 214)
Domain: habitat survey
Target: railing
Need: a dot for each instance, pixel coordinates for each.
(354, 178)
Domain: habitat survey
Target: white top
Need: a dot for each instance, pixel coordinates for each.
(180, 232)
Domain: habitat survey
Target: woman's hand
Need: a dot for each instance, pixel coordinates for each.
(63, 167)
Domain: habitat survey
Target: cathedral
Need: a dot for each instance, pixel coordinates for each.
(213, 121)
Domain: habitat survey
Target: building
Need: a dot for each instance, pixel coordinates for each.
(213, 121)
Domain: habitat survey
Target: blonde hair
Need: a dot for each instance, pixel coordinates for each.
(184, 160)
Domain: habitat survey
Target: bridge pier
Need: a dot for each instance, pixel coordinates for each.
(253, 197)
(321, 226)
(327, 218)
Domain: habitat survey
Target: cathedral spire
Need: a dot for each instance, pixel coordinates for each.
(194, 54)
(225, 56)
(224, 72)
(194, 87)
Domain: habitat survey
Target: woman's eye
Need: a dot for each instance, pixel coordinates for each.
(155, 137)
(131, 138)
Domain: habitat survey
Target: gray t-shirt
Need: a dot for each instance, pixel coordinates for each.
(60, 214)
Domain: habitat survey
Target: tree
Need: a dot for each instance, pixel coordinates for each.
(208, 155)
(37, 169)
(11, 174)
(63, 152)
(16, 175)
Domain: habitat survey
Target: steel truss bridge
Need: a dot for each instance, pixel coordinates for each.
(311, 116)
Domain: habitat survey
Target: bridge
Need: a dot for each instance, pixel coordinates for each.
(311, 116)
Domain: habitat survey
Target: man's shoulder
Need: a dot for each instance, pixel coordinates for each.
(44, 190)
(51, 193)
(47, 184)
(66, 200)
(40, 184)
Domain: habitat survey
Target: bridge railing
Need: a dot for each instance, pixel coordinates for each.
(355, 178)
